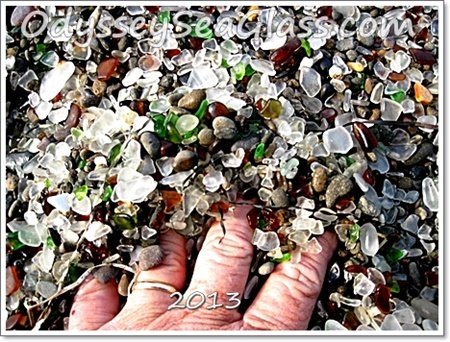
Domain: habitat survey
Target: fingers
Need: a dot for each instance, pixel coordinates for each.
(94, 305)
(223, 262)
(144, 305)
(287, 299)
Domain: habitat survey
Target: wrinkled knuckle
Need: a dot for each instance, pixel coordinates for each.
(264, 323)
(231, 246)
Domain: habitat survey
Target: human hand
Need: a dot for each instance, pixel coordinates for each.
(285, 302)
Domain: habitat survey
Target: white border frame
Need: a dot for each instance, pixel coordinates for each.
(442, 262)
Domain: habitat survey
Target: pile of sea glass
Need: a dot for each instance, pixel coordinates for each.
(114, 138)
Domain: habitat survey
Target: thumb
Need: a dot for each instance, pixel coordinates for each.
(94, 305)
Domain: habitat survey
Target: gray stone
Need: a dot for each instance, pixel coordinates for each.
(105, 274)
(279, 198)
(150, 257)
(150, 143)
(224, 128)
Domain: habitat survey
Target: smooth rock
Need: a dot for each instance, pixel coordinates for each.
(150, 257)
(192, 100)
(279, 198)
(224, 128)
(319, 179)
(105, 273)
(206, 136)
(340, 185)
(150, 143)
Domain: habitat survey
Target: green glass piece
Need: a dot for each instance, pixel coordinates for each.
(81, 192)
(225, 63)
(164, 17)
(190, 134)
(261, 223)
(259, 151)
(41, 48)
(160, 127)
(363, 81)
(172, 134)
(284, 258)
(124, 221)
(238, 71)
(76, 132)
(13, 241)
(349, 161)
(202, 31)
(74, 273)
(50, 242)
(354, 232)
(114, 155)
(395, 288)
(394, 254)
(172, 118)
(249, 70)
(272, 109)
(81, 164)
(200, 113)
(107, 193)
(398, 96)
(305, 45)
(48, 183)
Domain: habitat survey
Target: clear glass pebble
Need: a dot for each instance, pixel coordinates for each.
(428, 324)
(362, 285)
(202, 78)
(377, 93)
(409, 327)
(310, 81)
(390, 110)
(263, 66)
(132, 77)
(369, 239)
(381, 71)
(404, 316)
(390, 323)
(213, 180)
(96, 230)
(46, 289)
(337, 140)
(430, 194)
(425, 309)
(186, 123)
(331, 324)
(411, 224)
(400, 62)
(26, 78)
(55, 80)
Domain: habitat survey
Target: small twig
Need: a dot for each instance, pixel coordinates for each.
(78, 282)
